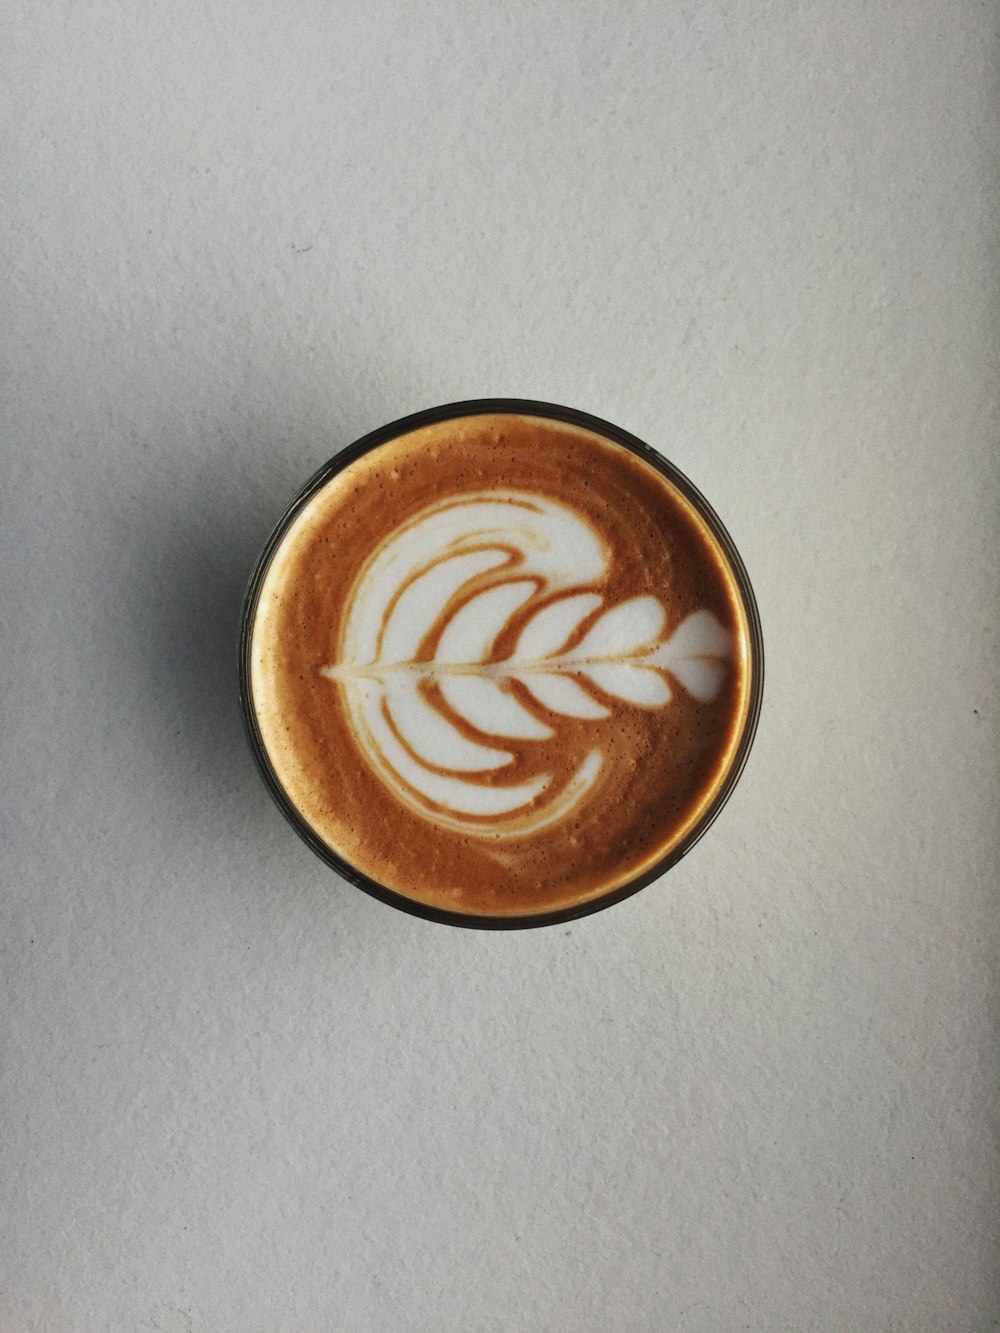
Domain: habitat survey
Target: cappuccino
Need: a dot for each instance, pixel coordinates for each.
(501, 666)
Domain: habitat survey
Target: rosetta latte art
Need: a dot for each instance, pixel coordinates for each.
(431, 702)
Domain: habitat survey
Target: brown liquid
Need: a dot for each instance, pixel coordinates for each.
(661, 766)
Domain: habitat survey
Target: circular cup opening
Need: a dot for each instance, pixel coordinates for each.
(754, 664)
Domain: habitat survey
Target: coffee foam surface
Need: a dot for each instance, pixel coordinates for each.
(499, 664)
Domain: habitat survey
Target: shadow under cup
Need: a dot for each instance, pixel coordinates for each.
(752, 659)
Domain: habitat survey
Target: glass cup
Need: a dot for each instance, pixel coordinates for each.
(752, 647)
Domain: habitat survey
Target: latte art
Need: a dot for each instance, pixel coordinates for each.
(419, 656)
(498, 666)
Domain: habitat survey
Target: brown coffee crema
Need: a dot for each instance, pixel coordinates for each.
(500, 665)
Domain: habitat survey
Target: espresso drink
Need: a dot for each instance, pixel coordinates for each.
(501, 665)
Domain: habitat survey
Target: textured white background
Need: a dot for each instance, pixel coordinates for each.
(240, 1096)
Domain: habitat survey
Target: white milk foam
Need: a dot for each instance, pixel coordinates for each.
(460, 569)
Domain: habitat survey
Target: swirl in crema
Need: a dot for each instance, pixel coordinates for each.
(418, 668)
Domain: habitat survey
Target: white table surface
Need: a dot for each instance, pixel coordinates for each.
(240, 1095)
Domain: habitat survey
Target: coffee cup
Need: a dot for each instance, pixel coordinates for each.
(500, 664)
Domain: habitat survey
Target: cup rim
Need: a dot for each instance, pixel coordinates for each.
(403, 426)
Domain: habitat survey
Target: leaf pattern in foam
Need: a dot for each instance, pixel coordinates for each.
(427, 732)
(490, 708)
(418, 605)
(548, 629)
(636, 684)
(454, 793)
(561, 694)
(469, 635)
(693, 654)
(626, 629)
(414, 717)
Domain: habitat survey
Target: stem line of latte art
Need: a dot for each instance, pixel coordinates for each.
(428, 609)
